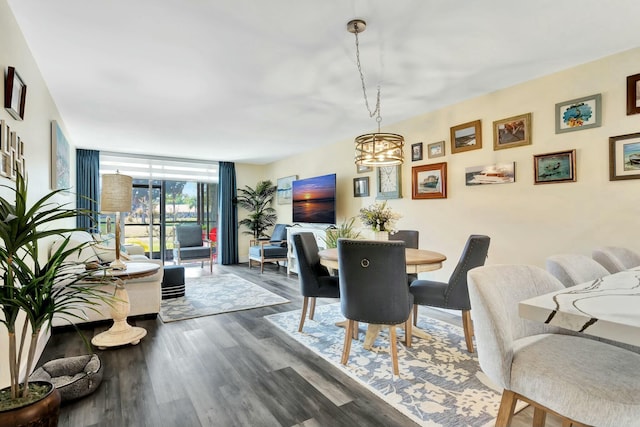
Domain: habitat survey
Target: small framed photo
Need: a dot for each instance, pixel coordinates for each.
(435, 150)
(633, 94)
(363, 168)
(361, 187)
(624, 157)
(579, 114)
(512, 132)
(466, 137)
(15, 94)
(555, 167)
(429, 181)
(283, 192)
(416, 151)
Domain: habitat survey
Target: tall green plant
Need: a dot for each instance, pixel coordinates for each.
(258, 202)
(39, 290)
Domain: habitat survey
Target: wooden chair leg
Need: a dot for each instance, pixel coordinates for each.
(305, 301)
(312, 310)
(394, 349)
(415, 314)
(539, 417)
(348, 332)
(408, 333)
(467, 325)
(507, 408)
(356, 329)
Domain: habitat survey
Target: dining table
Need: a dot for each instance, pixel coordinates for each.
(606, 307)
(417, 261)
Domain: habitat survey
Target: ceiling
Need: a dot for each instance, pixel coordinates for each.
(253, 81)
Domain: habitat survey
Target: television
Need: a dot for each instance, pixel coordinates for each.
(314, 200)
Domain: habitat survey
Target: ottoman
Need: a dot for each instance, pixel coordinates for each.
(173, 281)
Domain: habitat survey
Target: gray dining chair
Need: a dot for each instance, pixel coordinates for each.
(615, 258)
(373, 289)
(573, 269)
(411, 239)
(453, 294)
(581, 380)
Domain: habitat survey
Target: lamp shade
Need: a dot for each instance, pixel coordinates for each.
(116, 194)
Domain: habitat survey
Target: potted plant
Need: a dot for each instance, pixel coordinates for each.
(380, 218)
(258, 202)
(344, 230)
(32, 291)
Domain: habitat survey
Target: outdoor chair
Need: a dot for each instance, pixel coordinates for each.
(189, 246)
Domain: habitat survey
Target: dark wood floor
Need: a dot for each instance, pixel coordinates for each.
(231, 369)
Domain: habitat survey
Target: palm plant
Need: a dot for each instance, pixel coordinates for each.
(344, 230)
(258, 202)
(38, 290)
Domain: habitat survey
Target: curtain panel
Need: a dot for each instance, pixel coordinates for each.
(227, 215)
(88, 187)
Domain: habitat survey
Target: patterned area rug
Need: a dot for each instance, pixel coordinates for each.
(440, 383)
(220, 293)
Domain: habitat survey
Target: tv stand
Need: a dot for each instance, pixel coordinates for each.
(319, 231)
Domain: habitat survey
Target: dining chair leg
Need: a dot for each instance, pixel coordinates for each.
(539, 417)
(312, 309)
(356, 330)
(347, 342)
(415, 314)
(305, 301)
(467, 325)
(507, 408)
(408, 333)
(394, 349)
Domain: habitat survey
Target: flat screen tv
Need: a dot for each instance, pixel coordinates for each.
(314, 199)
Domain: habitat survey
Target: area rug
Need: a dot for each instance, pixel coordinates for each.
(440, 383)
(216, 294)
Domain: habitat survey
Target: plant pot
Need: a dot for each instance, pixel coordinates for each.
(381, 235)
(41, 413)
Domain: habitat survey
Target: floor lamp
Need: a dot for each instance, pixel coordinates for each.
(116, 196)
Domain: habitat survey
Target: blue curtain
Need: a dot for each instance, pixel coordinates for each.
(228, 214)
(87, 187)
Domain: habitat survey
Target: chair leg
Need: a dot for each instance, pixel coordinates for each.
(507, 408)
(408, 332)
(539, 417)
(262, 267)
(356, 329)
(394, 349)
(312, 309)
(415, 314)
(467, 325)
(348, 332)
(305, 301)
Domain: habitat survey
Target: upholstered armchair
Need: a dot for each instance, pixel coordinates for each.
(615, 258)
(189, 246)
(272, 250)
(573, 269)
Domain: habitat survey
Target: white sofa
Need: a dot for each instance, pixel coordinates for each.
(145, 294)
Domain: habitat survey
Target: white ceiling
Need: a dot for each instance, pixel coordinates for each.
(256, 80)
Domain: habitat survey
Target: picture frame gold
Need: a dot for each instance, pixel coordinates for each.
(624, 157)
(512, 132)
(436, 149)
(429, 181)
(15, 94)
(466, 137)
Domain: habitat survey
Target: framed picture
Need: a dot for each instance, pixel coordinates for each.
(15, 94)
(363, 168)
(361, 187)
(389, 182)
(5, 149)
(435, 150)
(512, 132)
(633, 94)
(555, 167)
(624, 157)
(429, 181)
(416, 151)
(283, 192)
(60, 166)
(500, 173)
(466, 137)
(578, 114)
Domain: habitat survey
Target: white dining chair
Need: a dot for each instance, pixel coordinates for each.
(573, 269)
(615, 258)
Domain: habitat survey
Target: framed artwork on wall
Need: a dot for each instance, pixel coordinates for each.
(579, 114)
(466, 137)
(429, 181)
(60, 163)
(633, 94)
(361, 187)
(499, 173)
(283, 192)
(551, 168)
(435, 150)
(416, 151)
(624, 157)
(389, 180)
(15, 94)
(512, 132)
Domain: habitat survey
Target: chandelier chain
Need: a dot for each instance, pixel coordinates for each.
(376, 111)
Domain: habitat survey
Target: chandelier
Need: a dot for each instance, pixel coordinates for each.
(374, 149)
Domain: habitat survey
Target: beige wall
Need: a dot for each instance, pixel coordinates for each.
(526, 222)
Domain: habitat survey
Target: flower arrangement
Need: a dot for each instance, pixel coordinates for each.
(379, 217)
